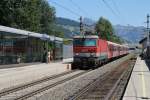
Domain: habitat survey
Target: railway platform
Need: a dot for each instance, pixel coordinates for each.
(10, 77)
(18, 65)
(138, 87)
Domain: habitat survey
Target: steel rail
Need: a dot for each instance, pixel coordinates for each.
(99, 81)
(28, 95)
(30, 84)
(89, 86)
(120, 89)
(109, 95)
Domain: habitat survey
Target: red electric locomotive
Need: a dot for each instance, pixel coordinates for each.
(90, 51)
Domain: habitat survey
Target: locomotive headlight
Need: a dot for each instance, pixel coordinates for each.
(76, 54)
(92, 54)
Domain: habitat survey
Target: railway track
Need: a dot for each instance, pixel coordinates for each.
(109, 86)
(27, 90)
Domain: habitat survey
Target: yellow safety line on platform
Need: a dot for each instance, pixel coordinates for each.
(143, 82)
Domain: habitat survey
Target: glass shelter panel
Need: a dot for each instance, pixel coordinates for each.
(16, 48)
(58, 50)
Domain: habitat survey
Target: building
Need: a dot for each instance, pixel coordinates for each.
(24, 46)
(145, 48)
(143, 42)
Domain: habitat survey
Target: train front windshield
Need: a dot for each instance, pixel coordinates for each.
(84, 42)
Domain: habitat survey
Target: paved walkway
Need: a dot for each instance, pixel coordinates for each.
(18, 65)
(139, 84)
(67, 60)
(18, 75)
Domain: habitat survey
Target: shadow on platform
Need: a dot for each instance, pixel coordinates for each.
(18, 65)
(147, 62)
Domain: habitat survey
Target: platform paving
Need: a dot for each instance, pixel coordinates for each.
(17, 65)
(17, 75)
(138, 87)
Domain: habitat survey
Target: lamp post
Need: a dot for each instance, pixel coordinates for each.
(148, 42)
(44, 38)
(28, 50)
(81, 26)
(54, 48)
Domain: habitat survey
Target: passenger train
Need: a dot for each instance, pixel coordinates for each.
(90, 51)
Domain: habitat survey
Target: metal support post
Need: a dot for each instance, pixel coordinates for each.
(81, 26)
(148, 42)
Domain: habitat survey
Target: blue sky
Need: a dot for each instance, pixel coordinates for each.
(126, 12)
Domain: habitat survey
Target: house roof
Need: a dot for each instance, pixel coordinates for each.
(144, 39)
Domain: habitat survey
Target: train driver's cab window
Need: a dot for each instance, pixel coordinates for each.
(90, 42)
(84, 42)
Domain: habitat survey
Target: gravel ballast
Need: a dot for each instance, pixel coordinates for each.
(67, 89)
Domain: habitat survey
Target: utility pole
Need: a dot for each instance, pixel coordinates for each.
(148, 42)
(81, 26)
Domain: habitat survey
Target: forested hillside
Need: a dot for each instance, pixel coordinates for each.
(130, 33)
(65, 21)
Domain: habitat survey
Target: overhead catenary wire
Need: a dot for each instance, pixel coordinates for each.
(83, 11)
(116, 7)
(118, 11)
(67, 9)
(114, 12)
(110, 8)
(79, 8)
(71, 11)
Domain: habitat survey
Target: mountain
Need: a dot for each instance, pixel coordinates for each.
(88, 21)
(130, 33)
(65, 21)
(70, 27)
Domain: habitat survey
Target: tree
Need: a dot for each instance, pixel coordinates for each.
(32, 15)
(47, 17)
(105, 30)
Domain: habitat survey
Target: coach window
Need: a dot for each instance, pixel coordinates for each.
(110, 47)
(113, 48)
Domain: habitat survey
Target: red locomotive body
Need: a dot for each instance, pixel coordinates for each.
(91, 51)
